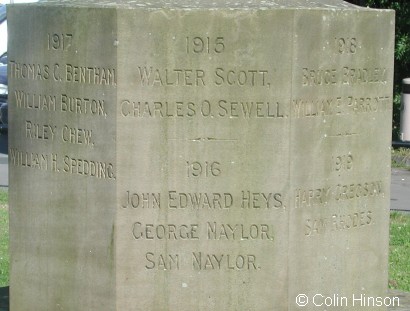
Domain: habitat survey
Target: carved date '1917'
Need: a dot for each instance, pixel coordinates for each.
(60, 42)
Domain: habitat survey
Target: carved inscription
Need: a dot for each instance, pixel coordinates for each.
(342, 162)
(66, 134)
(62, 164)
(66, 73)
(33, 160)
(257, 200)
(321, 196)
(79, 105)
(241, 77)
(61, 103)
(225, 76)
(203, 261)
(203, 169)
(346, 45)
(40, 131)
(199, 77)
(338, 222)
(320, 201)
(235, 79)
(142, 200)
(245, 199)
(35, 101)
(87, 167)
(162, 261)
(210, 231)
(207, 45)
(334, 106)
(181, 200)
(227, 109)
(344, 76)
(61, 42)
(216, 231)
(77, 136)
(165, 231)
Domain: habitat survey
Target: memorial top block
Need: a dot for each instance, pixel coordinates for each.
(205, 4)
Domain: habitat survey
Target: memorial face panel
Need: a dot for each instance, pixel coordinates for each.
(62, 157)
(206, 111)
(340, 182)
(197, 158)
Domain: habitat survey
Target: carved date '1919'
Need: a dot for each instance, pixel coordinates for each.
(343, 162)
(60, 42)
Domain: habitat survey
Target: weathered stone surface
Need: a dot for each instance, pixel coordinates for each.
(198, 156)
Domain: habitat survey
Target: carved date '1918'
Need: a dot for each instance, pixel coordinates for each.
(346, 45)
(60, 42)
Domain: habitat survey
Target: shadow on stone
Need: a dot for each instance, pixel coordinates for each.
(4, 298)
(4, 142)
(403, 296)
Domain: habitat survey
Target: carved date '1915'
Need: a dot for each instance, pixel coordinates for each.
(60, 42)
(198, 45)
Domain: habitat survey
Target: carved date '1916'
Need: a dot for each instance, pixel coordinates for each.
(60, 42)
(203, 169)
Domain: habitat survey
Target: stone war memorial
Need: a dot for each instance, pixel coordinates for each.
(199, 155)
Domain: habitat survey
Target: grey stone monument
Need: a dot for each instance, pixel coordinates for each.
(207, 155)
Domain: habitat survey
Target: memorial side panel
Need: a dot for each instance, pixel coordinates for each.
(341, 136)
(62, 129)
(203, 112)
